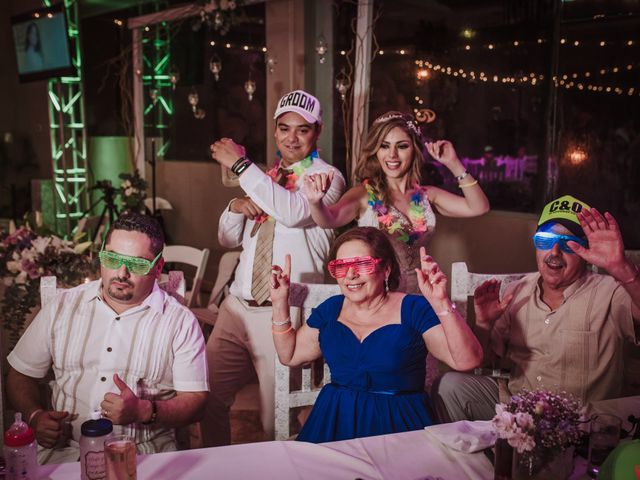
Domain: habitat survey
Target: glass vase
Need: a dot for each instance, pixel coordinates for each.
(542, 464)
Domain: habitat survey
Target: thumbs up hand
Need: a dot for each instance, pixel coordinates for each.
(124, 407)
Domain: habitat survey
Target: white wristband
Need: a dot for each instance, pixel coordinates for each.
(279, 324)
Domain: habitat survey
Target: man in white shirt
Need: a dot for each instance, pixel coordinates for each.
(120, 345)
(241, 340)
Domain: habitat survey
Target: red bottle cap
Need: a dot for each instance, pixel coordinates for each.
(19, 434)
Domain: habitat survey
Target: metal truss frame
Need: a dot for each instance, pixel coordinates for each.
(68, 134)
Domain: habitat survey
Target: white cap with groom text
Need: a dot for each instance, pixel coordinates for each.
(302, 103)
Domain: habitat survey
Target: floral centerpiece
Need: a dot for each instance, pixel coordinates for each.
(133, 191)
(26, 256)
(539, 425)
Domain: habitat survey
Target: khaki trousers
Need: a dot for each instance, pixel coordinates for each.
(240, 344)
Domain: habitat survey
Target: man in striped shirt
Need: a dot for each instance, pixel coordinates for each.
(120, 345)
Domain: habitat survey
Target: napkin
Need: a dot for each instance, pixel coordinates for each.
(465, 436)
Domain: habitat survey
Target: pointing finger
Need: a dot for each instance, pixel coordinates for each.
(287, 265)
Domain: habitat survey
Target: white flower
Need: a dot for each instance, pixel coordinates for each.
(21, 278)
(14, 267)
(524, 421)
(40, 244)
(522, 442)
(504, 422)
(126, 184)
(28, 254)
(232, 4)
(128, 191)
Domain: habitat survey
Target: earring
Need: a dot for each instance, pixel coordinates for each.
(386, 284)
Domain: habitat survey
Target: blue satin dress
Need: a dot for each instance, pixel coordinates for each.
(378, 384)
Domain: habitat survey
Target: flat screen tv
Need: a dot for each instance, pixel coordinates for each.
(42, 44)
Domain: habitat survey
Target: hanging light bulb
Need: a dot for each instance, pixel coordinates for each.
(215, 65)
(322, 48)
(199, 114)
(342, 85)
(174, 76)
(153, 94)
(577, 155)
(217, 21)
(250, 88)
(193, 99)
(271, 63)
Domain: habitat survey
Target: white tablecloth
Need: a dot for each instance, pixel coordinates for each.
(410, 455)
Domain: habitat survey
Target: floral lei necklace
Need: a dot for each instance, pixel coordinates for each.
(296, 170)
(394, 227)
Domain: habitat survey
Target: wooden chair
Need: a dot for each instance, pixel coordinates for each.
(306, 297)
(208, 315)
(190, 256)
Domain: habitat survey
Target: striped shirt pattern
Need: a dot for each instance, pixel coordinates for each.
(157, 348)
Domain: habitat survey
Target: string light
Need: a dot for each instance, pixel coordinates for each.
(564, 81)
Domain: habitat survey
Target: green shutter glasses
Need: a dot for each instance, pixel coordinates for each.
(135, 265)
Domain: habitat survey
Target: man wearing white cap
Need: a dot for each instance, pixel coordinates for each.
(273, 219)
(562, 328)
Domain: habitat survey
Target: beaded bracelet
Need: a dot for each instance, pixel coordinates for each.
(279, 324)
(461, 176)
(467, 185)
(275, 332)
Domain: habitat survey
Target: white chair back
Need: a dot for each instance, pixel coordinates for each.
(305, 296)
(464, 284)
(226, 269)
(208, 315)
(189, 256)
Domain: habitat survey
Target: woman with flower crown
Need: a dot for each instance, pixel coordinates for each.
(389, 194)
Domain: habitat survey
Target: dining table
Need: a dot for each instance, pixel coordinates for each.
(419, 454)
(453, 451)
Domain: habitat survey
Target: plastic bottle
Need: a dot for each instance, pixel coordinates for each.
(94, 432)
(20, 451)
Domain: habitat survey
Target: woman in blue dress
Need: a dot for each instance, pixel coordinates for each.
(374, 339)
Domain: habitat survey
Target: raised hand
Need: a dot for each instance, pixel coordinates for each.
(123, 408)
(226, 152)
(315, 186)
(247, 207)
(606, 249)
(487, 304)
(279, 283)
(431, 280)
(443, 152)
(49, 427)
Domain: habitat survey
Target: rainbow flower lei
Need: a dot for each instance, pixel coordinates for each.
(296, 170)
(394, 227)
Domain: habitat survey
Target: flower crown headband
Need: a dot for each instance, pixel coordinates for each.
(411, 125)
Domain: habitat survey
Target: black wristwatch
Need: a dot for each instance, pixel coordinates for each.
(154, 413)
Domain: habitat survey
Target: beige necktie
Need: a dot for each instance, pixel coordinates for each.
(263, 258)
